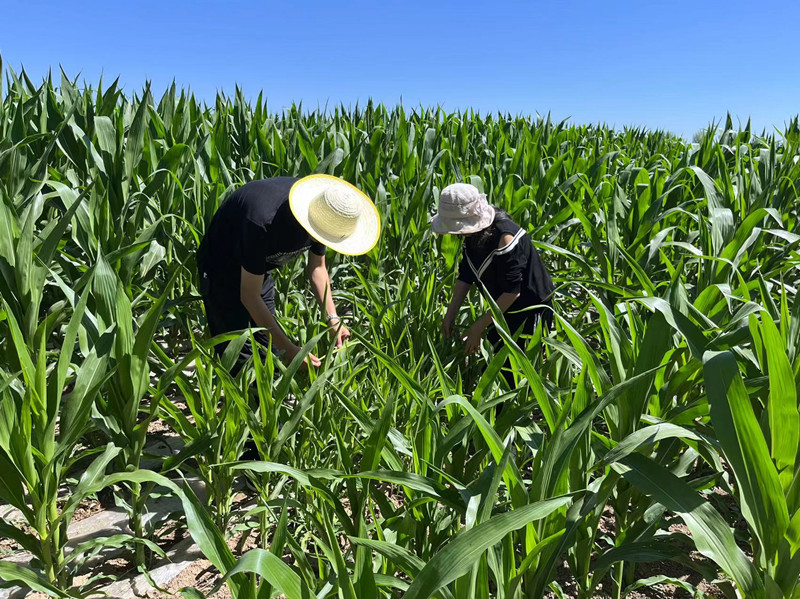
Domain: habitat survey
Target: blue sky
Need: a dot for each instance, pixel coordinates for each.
(663, 64)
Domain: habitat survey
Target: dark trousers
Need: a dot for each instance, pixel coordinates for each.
(524, 322)
(226, 313)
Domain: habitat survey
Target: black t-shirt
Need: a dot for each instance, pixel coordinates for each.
(515, 268)
(254, 229)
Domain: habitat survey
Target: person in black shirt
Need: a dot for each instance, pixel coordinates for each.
(262, 226)
(498, 253)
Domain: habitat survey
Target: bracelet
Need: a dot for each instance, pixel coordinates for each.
(332, 316)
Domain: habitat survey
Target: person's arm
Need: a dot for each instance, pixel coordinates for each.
(320, 281)
(464, 282)
(476, 331)
(504, 302)
(460, 292)
(250, 296)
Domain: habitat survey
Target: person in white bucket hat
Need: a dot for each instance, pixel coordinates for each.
(262, 226)
(498, 253)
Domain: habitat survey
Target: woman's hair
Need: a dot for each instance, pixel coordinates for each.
(477, 241)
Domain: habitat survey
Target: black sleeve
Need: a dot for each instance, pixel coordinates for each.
(510, 267)
(465, 273)
(317, 248)
(254, 248)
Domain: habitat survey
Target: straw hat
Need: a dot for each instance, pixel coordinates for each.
(336, 214)
(462, 210)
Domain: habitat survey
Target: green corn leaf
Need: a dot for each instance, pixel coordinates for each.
(654, 580)
(135, 138)
(271, 569)
(712, 536)
(378, 437)
(139, 366)
(784, 418)
(421, 484)
(25, 540)
(14, 573)
(564, 441)
(647, 437)
(77, 407)
(93, 547)
(693, 335)
(511, 474)
(404, 559)
(638, 551)
(88, 482)
(21, 347)
(743, 444)
(459, 555)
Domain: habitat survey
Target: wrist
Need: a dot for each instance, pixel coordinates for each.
(283, 344)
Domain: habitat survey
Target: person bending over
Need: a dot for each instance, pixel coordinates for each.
(499, 253)
(262, 226)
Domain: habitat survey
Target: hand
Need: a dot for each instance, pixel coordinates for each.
(447, 327)
(472, 342)
(310, 358)
(338, 331)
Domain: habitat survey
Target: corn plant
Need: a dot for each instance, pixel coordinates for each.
(119, 410)
(665, 390)
(215, 429)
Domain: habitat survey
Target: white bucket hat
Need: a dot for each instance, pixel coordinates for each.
(336, 214)
(462, 210)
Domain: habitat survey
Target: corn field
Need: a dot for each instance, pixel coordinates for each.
(653, 429)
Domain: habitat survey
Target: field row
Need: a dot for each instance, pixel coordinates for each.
(648, 443)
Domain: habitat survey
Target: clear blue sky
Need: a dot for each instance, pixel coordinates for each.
(675, 65)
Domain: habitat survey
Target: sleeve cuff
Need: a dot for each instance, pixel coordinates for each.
(255, 270)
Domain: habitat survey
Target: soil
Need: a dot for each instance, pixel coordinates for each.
(647, 570)
(87, 508)
(158, 429)
(203, 576)
(8, 547)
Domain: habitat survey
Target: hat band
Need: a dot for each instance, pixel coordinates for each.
(464, 223)
(474, 207)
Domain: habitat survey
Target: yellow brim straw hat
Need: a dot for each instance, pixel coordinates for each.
(336, 213)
